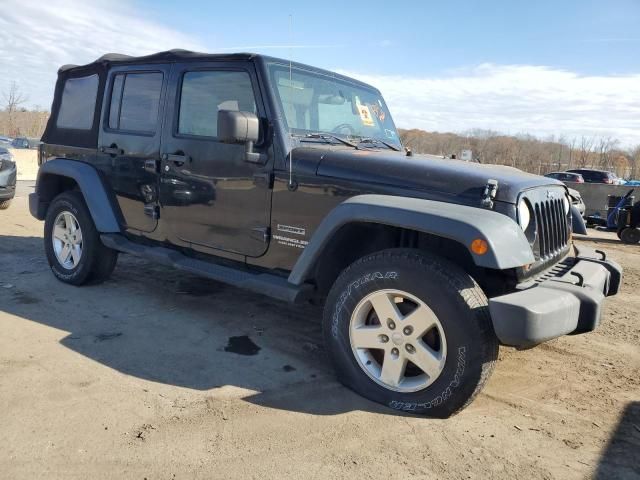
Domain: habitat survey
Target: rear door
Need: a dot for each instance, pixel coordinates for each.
(211, 197)
(130, 140)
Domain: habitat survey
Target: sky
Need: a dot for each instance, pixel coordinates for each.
(564, 68)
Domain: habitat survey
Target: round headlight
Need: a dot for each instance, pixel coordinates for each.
(524, 214)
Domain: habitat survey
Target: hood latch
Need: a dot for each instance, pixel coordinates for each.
(490, 190)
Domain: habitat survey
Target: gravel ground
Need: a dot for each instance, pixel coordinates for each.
(142, 377)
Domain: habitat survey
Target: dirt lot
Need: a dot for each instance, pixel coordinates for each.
(131, 379)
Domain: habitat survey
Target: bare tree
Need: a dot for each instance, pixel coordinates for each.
(12, 100)
(584, 151)
(634, 161)
(572, 147)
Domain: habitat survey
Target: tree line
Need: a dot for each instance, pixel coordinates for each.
(529, 153)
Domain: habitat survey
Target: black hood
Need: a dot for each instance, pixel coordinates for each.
(425, 173)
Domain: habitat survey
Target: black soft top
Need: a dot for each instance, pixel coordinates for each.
(176, 55)
(56, 135)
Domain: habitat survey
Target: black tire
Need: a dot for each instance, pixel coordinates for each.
(630, 235)
(454, 297)
(96, 262)
(4, 204)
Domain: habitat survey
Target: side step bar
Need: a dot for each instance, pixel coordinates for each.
(264, 283)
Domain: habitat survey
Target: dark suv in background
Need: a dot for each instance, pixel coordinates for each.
(596, 176)
(566, 176)
(291, 181)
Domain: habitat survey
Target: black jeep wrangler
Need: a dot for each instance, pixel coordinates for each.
(291, 181)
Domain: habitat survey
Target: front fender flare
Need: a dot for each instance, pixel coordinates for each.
(508, 246)
(92, 188)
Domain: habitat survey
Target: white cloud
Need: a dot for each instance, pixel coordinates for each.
(516, 99)
(37, 37)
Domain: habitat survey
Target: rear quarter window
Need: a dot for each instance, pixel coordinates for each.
(78, 103)
(135, 102)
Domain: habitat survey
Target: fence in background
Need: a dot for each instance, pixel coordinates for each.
(595, 195)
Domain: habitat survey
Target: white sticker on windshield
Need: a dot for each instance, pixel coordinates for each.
(365, 116)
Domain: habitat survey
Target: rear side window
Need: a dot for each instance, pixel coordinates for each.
(78, 103)
(204, 93)
(135, 101)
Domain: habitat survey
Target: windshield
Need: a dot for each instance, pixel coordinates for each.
(312, 103)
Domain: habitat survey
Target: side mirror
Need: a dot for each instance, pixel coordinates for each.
(240, 127)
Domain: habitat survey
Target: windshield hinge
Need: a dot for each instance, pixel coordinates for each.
(263, 179)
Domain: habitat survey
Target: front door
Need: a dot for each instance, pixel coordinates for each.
(130, 140)
(210, 196)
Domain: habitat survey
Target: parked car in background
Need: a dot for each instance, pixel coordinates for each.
(20, 142)
(597, 176)
(7, 178)
(576, 200)
(566, 177)
(5, 141)
(24, 142)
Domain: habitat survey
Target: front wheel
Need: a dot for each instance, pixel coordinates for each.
(72, 244)
(411, 331)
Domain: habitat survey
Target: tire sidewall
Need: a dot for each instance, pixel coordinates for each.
(465, 343)
(630, 235)
(72, 203)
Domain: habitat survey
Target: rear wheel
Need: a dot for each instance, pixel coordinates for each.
(4, 204)
(72, 244)
(411, 331)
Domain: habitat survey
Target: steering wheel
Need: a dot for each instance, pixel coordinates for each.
(344, 126)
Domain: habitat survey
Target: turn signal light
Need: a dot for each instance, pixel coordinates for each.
(479, 246)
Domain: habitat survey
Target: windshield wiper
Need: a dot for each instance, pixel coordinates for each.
(327, 136)
(377, 140)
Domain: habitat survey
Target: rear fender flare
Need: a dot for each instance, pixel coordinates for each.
(101, 207)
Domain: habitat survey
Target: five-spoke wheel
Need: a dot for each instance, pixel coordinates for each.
(398, 340)
(67, 240)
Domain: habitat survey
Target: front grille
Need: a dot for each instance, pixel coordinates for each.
(549, 232)
(552, 227)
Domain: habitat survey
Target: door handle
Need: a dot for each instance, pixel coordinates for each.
(112, 150)
(177, 159)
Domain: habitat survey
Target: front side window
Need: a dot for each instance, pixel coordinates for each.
(135, 102)
(316, 103)
(78, 103)
(204, 93)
